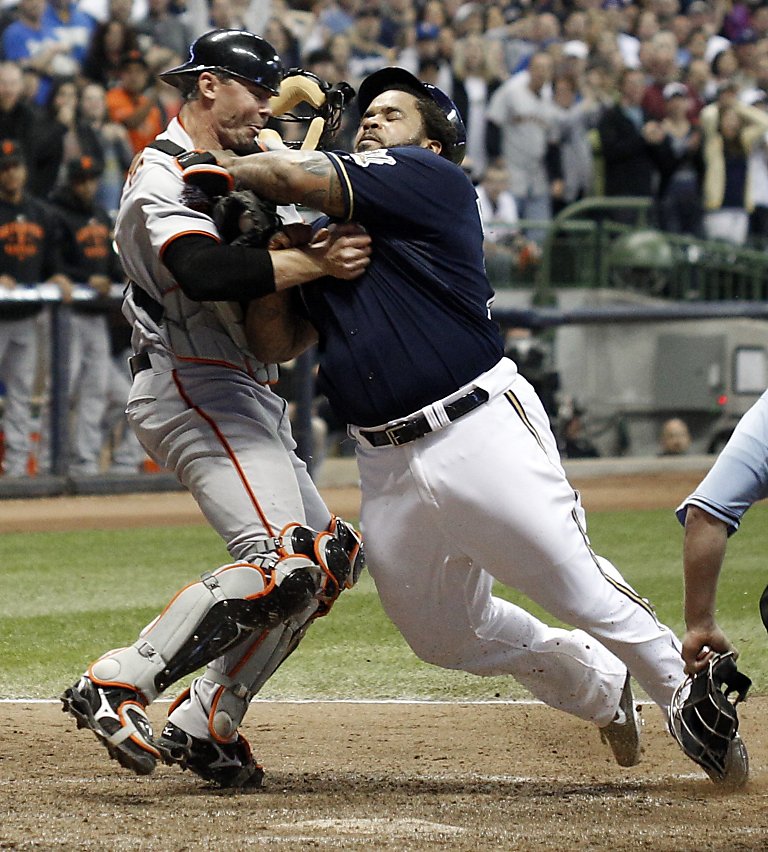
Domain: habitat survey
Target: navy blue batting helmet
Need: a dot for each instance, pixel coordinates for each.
(236, 52)
(389, 78)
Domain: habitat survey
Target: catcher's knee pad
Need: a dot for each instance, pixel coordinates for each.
(352, 544)
(207, 618)
(337, 552)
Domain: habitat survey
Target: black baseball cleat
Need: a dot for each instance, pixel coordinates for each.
(117, 716)
(224, 764)
(623, 733)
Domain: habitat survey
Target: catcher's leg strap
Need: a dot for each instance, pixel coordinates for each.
(208, 617)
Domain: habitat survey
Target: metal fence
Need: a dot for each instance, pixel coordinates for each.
(585, 247)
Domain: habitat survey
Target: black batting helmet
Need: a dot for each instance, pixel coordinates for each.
(237, 52)
(392, 78)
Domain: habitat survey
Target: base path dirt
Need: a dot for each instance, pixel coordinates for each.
(52, 514)
(364, 776)
(383, 777)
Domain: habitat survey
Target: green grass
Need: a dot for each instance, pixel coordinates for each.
(68, 597)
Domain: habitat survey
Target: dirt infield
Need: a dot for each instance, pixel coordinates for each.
(374, 776)
(382, 777)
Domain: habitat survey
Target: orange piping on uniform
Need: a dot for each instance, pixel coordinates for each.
(208, 234)
(229, 451)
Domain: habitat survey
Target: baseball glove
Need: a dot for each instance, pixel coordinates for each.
(243, 219)
(703, 717)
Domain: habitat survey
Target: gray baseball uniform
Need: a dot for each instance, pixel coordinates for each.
(205, 408)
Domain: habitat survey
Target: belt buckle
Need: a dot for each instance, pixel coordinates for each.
(392, 435)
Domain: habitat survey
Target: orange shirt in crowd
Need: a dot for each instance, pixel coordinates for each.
(121, 105)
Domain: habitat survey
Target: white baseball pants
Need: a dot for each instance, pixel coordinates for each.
(486, 497)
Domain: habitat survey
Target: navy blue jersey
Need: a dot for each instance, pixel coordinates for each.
(415, 326)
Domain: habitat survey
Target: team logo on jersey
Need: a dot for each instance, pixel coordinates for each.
(379, 157)
(21, 239)
(93, 239)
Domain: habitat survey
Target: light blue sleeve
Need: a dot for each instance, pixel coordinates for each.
(739, 476)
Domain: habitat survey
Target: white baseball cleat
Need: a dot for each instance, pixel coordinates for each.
(623, 733)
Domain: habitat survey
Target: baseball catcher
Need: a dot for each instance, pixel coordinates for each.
(704, 721)
(201, 405)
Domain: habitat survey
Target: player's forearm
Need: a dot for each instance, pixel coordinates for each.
(274, 331)
(288, 177)
(704, 546)
(295, 266)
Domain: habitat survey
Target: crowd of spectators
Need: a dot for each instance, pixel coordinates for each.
(661, 98)
(562, 99)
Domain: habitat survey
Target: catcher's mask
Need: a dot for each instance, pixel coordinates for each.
(238, 53)
(702, 716)
(322, 107)
(388, 78)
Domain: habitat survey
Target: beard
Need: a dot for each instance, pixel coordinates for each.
(374, 144)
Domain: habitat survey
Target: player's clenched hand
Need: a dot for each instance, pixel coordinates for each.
(344, 250)
(290, 236)
(700, 643)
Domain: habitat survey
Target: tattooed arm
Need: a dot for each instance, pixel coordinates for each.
(288, 177)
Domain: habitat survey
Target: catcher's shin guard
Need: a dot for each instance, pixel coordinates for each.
(207, 618)
(338, 554)
(259, 661)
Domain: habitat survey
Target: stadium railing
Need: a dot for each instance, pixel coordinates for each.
(583, 248)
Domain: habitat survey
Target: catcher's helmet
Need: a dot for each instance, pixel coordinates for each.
(237, 52)
(388, 78)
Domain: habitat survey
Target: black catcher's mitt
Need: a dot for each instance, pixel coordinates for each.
(703, 717)
(244, 219)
